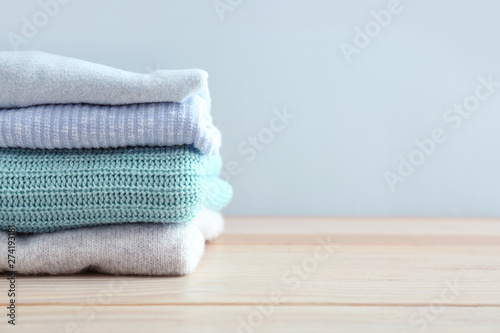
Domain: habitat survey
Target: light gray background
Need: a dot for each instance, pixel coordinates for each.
(353, 120)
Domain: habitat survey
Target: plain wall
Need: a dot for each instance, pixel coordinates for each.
(354, 121)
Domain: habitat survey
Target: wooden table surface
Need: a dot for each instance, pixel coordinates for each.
(292, 275)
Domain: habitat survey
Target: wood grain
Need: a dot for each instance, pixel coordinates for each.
(232, 318)
(315, 274)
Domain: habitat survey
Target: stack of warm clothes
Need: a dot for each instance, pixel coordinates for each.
(106, 170)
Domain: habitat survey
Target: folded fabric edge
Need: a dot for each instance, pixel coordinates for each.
(210, 223)
(77, 126)
(167, 248)
(103, 84)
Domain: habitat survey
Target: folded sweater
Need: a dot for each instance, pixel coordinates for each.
(47, 190)
(124, 249)
(34, 78)
(105, 126)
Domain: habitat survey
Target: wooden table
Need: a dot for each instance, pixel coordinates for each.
(293, 275)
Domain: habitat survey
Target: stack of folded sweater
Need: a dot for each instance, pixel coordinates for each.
(106, 170)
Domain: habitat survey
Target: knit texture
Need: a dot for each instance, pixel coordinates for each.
(48, 190)
(125, 249)
(34, 78)
(104, 126)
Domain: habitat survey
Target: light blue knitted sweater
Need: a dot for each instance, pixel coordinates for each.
(46, 190)
(108, 126)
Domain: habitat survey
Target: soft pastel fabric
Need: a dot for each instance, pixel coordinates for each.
(123, 249)
(34, 78)
(46, 190)
(210, 223)
(104, 126)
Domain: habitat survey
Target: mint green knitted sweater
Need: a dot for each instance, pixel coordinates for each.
(48, 190)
